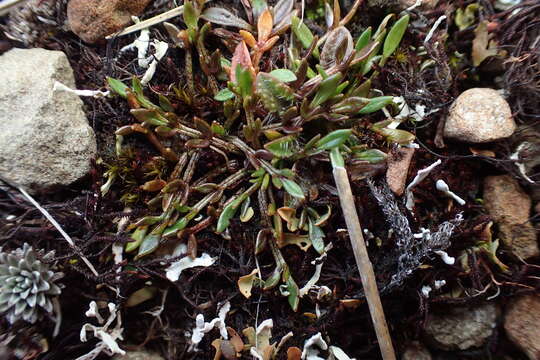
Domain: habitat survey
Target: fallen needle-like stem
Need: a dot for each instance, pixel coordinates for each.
(364, 264)
(45, 213)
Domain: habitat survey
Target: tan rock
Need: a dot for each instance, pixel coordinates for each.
(522, 322)
(92, 20)
(462, 328)
(398, 167)
(479, 115)
(416, 351)
(510, 207)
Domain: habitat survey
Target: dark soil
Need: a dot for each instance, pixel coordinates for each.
(90, 218)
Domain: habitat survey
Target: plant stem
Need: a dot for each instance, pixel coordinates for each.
(362, 261)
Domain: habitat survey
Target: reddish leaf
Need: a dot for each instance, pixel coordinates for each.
(241, 56)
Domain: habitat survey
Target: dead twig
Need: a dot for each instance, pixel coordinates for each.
(362, 261)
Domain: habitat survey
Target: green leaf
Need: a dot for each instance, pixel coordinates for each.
(217, 128)
(382, 26)
(316, 235)
(466, 18)
(394, 37)
(336, 158)
(350, 105)
(293, 188)
(372, 156)
(363, 39)
(191, 16)
(284, 75)
(292, 289)
(334, 139)
(376, 104)
(178, 226)
(118, 87)
(275, 95)
(149, 116)
(327, 89)
(397, 136)
(151, 241)
(227, 214)
(137, 87)
(273, 279)
(302, 32)
(244, 81)
(276, 181)
(282, 147)
(138, 236)
(224, 95)
(165, 104)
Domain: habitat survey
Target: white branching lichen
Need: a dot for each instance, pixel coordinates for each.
(175, 269)
(202, 327)
(443, 187)
(420, 175)
(312, 347)
(58, 86)
(449, 260)
(108, 336)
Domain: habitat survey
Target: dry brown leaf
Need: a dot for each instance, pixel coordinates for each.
(227, 350)
(141, 295)
(268, 352)
(481, 152)
(250, 334)
(294, 353)
(350, 303)
(245, 283)
(217, 345)
(269, 43)
(192, 246)
(302, 241)
(264, 26)
(482, 46)
(248, 38)
(236, 340)
(153, 185)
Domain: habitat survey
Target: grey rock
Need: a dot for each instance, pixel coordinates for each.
(462, 328)
(510, 207)
(479, 115)
(139, 355)
(521, 324)
(45, 139)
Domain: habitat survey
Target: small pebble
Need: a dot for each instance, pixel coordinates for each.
(479, 115)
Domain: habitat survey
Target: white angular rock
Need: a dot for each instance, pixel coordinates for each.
(45, 139)
(479, 115)
(462, 327)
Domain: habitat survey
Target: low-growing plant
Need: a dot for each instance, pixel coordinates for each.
(266, 118)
